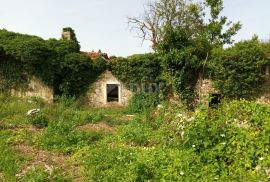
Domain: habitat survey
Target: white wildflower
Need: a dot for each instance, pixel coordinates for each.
(191, 119)
(182, 134)
(182, 127)
(49, 168)
(160, 106)
(180, 115)
(224, 143)
(182, 173)
(261, 158)
(222, 135)
(193, 146)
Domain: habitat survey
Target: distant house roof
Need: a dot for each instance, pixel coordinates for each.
(95, 55)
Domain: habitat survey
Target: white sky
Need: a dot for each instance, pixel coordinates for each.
(102, 24)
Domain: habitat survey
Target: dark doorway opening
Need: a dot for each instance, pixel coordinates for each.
(112, 93)
(215, 100)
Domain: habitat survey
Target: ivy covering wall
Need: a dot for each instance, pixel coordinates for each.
(58, 63)
(8, 65)
(140, 73)
(238, 71)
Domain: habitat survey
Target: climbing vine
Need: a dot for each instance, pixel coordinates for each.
(141, 72)
(238, 71)
(73, 37)
(58, 63)
(11, 73)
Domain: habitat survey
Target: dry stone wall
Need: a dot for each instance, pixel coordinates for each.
(205, 87)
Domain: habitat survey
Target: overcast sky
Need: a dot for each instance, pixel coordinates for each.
(102, 24)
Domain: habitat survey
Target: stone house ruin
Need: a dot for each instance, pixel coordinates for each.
(106, 91)
(208, 94)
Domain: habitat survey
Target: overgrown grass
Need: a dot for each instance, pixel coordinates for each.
(37, 173)
(10, 160)
(169, 143)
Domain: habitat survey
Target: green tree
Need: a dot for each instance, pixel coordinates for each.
(239, 71)
(184, 38)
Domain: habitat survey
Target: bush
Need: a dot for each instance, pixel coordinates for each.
(39, 120)
(67, 102)
(141, 102)
(239, 71)
(232, 145)
(102, 163)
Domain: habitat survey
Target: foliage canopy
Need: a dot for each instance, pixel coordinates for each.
(183, 38)
(239, 71)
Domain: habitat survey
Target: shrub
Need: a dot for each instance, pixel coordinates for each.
(232, 145)
(67, 102)
(239, 71)
(103, 163)
(39, 120)
(93, 117)
(141, 102)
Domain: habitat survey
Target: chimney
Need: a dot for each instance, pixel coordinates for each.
(66, 35)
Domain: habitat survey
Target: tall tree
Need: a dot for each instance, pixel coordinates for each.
(187, 15)
(184, 37)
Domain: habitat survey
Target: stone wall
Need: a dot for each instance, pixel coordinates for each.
(36, 89)
(205, 87)
(265, 97)
(97, 94)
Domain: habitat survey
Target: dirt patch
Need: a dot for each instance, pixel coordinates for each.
(39, 158)
(1, 177)
(3, 125)
(126, 118)
(29, 128)
(49, 161)
(15, 128)
(98, 127)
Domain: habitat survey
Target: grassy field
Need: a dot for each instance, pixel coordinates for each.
(68, 142)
